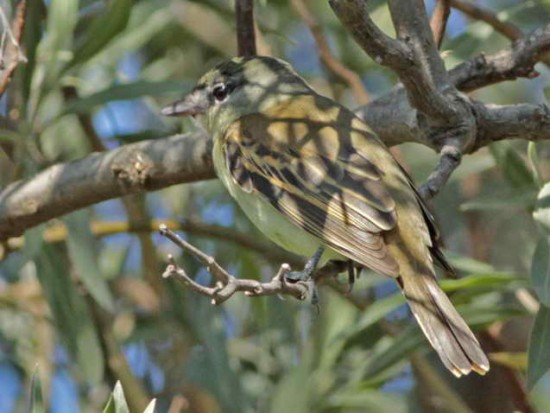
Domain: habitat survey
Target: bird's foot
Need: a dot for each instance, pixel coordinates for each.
(306, 274)
(353, 274)
(309, 268)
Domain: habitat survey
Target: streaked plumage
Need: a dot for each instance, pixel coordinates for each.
(309, 173)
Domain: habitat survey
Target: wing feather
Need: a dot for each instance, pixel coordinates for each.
(338, 196)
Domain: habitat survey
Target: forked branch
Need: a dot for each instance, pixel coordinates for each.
(226, 284)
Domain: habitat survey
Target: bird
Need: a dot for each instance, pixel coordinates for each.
(316, 180)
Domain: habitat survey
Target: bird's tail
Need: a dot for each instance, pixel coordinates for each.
(444, 328)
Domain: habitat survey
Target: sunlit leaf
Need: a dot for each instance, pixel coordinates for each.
(539, 356)
(117, 401)
(534, 162)
(542, 210)
(512, 360)
(151, 406)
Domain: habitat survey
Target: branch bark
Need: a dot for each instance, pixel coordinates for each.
(62, 188)
(246, 33)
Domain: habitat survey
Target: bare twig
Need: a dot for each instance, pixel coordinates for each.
(10, 53)
(517, 60)
(477, 12)
(246, 35)
(330, 61)
(228, 285)
(438, 22)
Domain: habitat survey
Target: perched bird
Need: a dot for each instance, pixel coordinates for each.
(315, 179)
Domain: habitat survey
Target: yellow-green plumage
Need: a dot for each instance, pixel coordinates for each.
(309, 173)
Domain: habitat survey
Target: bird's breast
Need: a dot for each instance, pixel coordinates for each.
(265, 216)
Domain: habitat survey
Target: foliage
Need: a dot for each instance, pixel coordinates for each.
(77, 306)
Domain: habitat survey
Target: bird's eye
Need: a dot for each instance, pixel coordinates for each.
(220, 92)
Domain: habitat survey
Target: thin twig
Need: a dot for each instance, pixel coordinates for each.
(227, 285)
(11, 55)
(477, 12)
(246, 35)
(438, 22)
(330, 61)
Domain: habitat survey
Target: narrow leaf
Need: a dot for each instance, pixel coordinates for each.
(126, 91)
(540, 270)
(539, 355)
(36, 402)
(542, 210)
(103, 29)
(81, 244)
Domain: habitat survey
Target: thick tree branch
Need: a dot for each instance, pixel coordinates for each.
(139, 167)
(246, 33)
(521, 121)
(393, 118)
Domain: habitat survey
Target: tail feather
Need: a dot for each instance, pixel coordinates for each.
(444, 328)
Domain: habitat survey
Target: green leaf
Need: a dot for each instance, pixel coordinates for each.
(126, 91)
(71, 313)
(36, 399)
(117, 401)
(102, 30)
(31, 37)
(534, 162)
(54, 48)
(539, 356)
(518, 199)
(512, 165)
(542, 209)
(82, 251)
(493, 280)
(540, 270)
(374, 313)
(151, 407)
(367, 400)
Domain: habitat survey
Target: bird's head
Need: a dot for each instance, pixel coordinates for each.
(238, 87)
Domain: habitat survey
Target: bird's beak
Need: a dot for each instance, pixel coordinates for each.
(194, 103)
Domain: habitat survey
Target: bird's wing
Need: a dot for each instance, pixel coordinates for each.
(316, 179)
